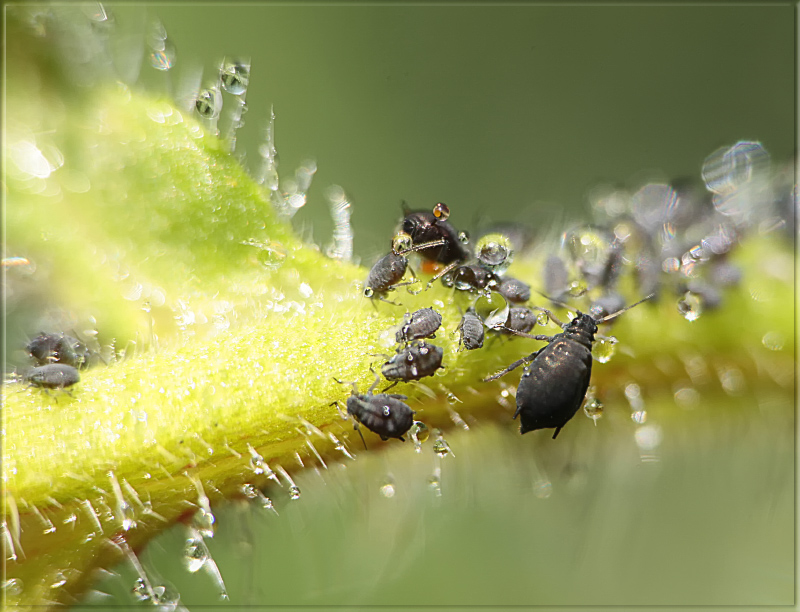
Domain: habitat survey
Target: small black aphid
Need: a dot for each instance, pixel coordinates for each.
(470, 277)
(421, 324)
(555, 276)
(514, 290)
(471, 329)
(58, 348)
(425, 226)
(53, 376)
(414, 362)
(520, 320)
(386, 274)
(555, 381)
(606, 304)
(385, 414)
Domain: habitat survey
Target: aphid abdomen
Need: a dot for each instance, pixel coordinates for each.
(422, 324)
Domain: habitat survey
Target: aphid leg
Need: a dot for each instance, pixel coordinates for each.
(505, 371)
(374, 384)
(339, 410)
(390, 386)
(358, 429)
(556, 433)
(341, 382)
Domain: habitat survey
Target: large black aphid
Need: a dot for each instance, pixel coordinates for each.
(555, 381)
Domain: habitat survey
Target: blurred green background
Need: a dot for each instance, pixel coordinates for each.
(512, 113)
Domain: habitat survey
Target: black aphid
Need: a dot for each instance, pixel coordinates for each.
(421, 324)
(58, 348)
(386, 274)
(385, 414)
(520, 320)
(555, 381)
(514, 290)
(555, 276)
(471, 330)
(470, 277)
(425, 226)
(53, 376)
(414, 362)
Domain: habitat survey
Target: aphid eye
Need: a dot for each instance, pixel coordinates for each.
(441, 211)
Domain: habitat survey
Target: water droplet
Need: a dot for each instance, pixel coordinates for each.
(463, 237)
(577, 288)
(441, 211)
(604, 349)
(634, 395)
(440, 446)
(195, 554)
(127, 515)
(593, 408)
(203, 521)
(249, 491)
(12, 587)
(167, 598)
(163, 59)
(687, 397)
(542, 318)
(59, 580)
(294, 492)
(272, 255)
(543, 489)
(495, 251)
(690, 306)
(401, 242)
(639, 416)
(773, 341)
(368, 292)
(418, 433)
(387, 488)
(648, 437)
(435, 485)
(139, 590)
(235, 76)
(209, 103)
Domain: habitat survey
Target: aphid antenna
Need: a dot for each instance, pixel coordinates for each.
(507, 369)
(524, 335)
(621, 310)
(420, 247)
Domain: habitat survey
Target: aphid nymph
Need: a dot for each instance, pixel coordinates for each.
(53, 376)
(385, 414)
(414, 362)
(555, 381)
(386, 274)
(58, 348)
(471, 330)
(423, 323)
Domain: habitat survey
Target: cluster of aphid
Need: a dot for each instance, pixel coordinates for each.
(556, 378)
(58, 358)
